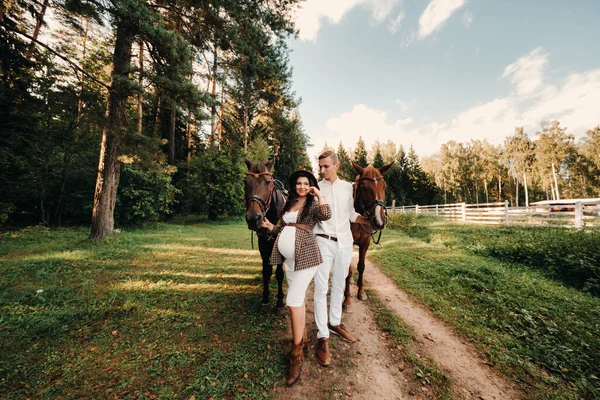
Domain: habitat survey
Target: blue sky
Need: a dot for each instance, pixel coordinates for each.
(424, 72)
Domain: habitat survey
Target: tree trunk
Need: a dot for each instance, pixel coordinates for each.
(82, 79)
(140, 97)
(156, 117)
(213, 108)
(526, 190)
(499, 188)
(38, 26)
(517, 191)
(107, 182)
(246, 128)
(555, 182)
(188, 135)
(445, 194)
(220, 130)
(172, 133)
(487, 195)
(63, 188)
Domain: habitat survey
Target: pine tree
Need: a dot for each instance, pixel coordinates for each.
(360, 153)
(378, 159)
(346, 170)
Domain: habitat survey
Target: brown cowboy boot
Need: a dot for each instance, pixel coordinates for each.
(323, 353)
(305, 341)
(341, 331)
(296, 359)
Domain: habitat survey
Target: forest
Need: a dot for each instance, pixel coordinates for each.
(117, 112)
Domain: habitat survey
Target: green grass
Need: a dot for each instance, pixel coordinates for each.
(169, 311)
(539, 331)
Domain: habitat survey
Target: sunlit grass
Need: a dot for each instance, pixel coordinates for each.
(185, 287)
(158, 312)
(537, 330)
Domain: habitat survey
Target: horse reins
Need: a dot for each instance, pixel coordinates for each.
(264, 205)
(369, 209)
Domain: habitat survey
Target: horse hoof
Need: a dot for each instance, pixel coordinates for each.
(362, 296)
(280, 311)
(264, 307)
(347, 309)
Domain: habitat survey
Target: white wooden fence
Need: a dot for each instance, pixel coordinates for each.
(575, 213)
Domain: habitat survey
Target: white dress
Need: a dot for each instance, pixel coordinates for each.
(287, 238)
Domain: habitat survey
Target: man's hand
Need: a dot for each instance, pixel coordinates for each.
(363, 221)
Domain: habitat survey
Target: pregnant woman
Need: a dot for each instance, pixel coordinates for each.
(297, 247)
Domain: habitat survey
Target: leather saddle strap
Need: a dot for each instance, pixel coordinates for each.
(305, 227)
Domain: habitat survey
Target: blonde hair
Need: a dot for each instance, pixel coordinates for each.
(329, 153)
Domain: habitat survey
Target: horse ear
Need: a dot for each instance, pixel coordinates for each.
(269, 164)
(248, 163)
(384, 170)
(357, 168)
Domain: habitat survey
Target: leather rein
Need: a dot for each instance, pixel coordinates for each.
(369, 209)
(264, 205)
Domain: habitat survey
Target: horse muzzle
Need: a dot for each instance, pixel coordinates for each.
(254, 221)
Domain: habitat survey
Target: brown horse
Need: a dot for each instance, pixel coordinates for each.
(264, 196)
(369, 201)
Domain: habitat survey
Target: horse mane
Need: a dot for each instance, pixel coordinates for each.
(258, 167)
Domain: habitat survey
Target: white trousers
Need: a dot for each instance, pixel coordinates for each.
(298, 282)
(336, 261)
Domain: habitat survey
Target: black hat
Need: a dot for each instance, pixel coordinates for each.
(312, 181)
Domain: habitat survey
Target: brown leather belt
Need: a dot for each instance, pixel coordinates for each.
(327, 237)
(305, 227)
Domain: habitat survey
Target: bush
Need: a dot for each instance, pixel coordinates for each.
(144, 196)
(401, 220)
(212, 184)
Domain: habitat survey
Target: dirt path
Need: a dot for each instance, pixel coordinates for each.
(473, 379)
(368, 369)
(362, 370)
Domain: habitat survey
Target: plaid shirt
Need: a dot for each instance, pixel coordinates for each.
(306, 249)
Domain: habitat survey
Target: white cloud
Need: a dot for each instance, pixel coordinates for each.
(436, 14)
(574, 102)
(394, 25)
(404, 105)
(372, 124)
(309, 16)
(527, 73)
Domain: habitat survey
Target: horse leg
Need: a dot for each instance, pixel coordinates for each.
(267, 271)
(347, 300)
(280, 310)
(362, 253)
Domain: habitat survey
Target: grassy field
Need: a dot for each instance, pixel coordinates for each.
(170, 311)
(540, 331)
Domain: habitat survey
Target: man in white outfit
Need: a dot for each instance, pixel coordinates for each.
(334, 238)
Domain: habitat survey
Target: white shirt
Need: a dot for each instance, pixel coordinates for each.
(339, 196)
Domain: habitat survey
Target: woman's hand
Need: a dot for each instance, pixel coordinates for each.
(265, 223)
(314, 191)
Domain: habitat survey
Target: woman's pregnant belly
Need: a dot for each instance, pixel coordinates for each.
(287, 242)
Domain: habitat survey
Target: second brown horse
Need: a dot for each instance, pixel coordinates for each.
(369, 201)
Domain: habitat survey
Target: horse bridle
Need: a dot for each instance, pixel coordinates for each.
(369, 209)
(264, 205)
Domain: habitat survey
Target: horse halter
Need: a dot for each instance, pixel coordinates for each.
(263, 204)
(369, 208)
